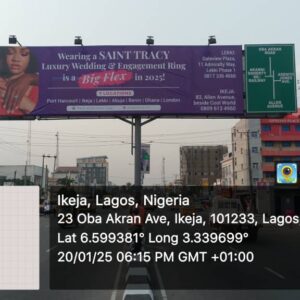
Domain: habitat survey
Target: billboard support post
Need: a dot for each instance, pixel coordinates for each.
(137, 151)
(137, 123)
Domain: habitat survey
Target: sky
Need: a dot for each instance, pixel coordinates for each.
(129, 22)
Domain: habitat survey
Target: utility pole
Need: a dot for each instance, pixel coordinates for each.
(28, 159)
(43, 164)
(56, 163)
(29, 144)
(163, 171)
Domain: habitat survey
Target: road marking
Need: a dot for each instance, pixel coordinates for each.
(114, 292)
(143, 272)
(162, 288)
(274, 272)
(51, 248)
(138, 290)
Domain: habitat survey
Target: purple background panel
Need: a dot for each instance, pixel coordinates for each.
(108, 81)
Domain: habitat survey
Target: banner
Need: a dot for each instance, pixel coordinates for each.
(109, 81)
(145, 158)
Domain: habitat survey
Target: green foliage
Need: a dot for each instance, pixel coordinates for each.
(67, 181)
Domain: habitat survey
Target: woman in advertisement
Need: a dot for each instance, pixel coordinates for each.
(18, 81)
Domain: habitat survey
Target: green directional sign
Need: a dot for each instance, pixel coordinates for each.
(270, 79)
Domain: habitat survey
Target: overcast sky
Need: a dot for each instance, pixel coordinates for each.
(128, 22)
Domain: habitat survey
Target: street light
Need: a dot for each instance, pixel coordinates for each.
(78, 40)
(12, 40)
(150, 40)
(212, 40)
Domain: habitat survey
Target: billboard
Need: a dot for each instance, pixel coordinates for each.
(270, 79)
(109, 81)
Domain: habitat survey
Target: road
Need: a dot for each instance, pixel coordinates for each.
(275, 266)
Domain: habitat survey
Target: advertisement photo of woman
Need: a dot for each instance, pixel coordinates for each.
(18, 81)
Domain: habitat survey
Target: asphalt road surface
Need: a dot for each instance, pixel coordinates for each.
(273, 267)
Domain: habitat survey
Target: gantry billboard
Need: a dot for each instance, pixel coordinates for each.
(110, 81)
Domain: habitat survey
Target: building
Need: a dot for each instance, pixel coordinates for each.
(246, 156)
(93, 171)
(201, 165)
(66, 172)
(17, 173)
(227, 170)
(280, 139)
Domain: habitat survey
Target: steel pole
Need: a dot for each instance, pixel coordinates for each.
(137, 150)
(42, 179)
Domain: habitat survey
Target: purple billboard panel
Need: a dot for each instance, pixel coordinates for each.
(109, 81)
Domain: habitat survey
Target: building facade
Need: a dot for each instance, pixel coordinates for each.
(66, 172)
(280, 140)
(227, 170)
(93, 171)
(246, 156)
(201, 165)
(32, 173)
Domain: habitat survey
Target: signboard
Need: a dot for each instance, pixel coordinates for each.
(145, 159)
(270, 79)
(109, 81)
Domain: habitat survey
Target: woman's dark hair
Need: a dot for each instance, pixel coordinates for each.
(4, 71)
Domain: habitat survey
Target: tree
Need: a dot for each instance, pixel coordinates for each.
(67, 181)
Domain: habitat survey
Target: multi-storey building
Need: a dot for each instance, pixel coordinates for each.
(280, 139)
(66, 172)
(227, 170)
(201, 165)
(27, 173)
(246, 155)
(93, 171)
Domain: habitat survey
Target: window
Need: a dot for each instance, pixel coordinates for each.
(254, 149)
(286, 144)
(286, 158)
(255, 165)
(285, 128)
(269, 175)
(268, 159)
(241, 150)
(266, 128)
(269, 144)
(297, 144)
(242, 166)
(297, 127)
(254, 134)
